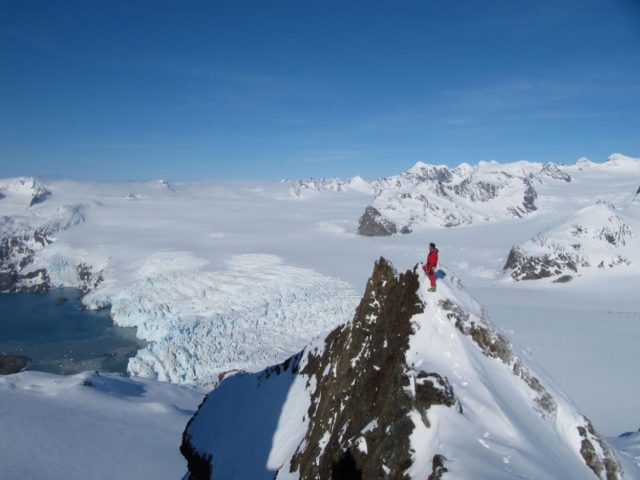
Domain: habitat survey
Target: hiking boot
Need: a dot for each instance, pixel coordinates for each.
(432, 289)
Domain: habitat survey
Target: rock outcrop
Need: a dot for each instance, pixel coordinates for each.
(373, 224)
(19, 244)
(552, 170)
(10, 364)
(415, 386)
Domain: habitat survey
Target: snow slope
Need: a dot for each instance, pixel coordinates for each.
(417, 385)
(98, 426)
(629, 445)
(595, 237)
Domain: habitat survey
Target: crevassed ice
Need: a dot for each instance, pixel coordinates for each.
(255, 312)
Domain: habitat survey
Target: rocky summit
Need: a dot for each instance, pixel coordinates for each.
(417, 386)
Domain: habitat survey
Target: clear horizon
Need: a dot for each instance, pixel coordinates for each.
(244, 89)
(402, 168)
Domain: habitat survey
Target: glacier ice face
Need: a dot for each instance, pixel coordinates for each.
(202, 323)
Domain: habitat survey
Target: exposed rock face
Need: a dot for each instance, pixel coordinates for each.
(10, 364)
(553, 171)
(368, 358)
(527, 267)
(359, 403)
(373, 224)
(603, 464)
(438, 468)
(496, 345)
(563, 279)
(89, 280)
(19, 245)
(39, 196)
(16, 254)
(528, 201)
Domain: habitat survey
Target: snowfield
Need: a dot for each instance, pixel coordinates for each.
(226, 276)
(98, 426)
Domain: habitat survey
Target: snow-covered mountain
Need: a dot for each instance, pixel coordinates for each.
(24, 234)
(599, 236)
(22, 192)
(303, 188)
(416, 386)
(435, 195)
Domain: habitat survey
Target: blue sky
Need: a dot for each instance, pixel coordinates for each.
(271, 89)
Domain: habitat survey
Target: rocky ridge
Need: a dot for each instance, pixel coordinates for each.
(396, 394)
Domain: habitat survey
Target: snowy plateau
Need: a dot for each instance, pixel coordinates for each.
(229, 277)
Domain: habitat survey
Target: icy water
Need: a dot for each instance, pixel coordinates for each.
(60, 337)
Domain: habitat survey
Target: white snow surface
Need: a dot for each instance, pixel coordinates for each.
(628, 445)
(502, 433)
(259, 420)
(55, 428)
(192, 261)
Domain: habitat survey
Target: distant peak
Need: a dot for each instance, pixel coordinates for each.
(618, 159)
(584, 162)
(419, 167)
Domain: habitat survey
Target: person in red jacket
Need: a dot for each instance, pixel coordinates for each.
(430, 267)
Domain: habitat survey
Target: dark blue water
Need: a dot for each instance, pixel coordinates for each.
(59, 336)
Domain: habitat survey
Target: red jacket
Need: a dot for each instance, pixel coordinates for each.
(432, 260)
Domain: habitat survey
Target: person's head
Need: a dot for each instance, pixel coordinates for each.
(432, 246)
